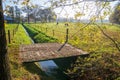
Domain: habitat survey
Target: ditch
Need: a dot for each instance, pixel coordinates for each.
(49, 67)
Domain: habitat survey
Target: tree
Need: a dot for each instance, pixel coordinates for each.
(4, 64)
(43, 15)
(17, 16)
(115, 16)
(4, 60)
(11, 12)
(46, 15)
(27, 9)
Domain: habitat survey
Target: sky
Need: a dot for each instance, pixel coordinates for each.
(88, 10)
(70, 11)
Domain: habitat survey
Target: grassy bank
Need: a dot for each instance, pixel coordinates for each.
(38, 36)
(103, 62)
(88, 38)
(20, 71)
(41, 37)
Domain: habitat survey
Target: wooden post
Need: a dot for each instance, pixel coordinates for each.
(13, 32)
(65, 41)
(9, 38)
(53, 32)
(67, 31)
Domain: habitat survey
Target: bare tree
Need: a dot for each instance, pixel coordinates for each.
(43, 15)
(114, 18)
(17, 12)
(11, 13)
(27, 9)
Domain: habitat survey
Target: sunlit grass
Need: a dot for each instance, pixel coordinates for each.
(92, 40)
(38, 36)
(89, 38)
(19, 71)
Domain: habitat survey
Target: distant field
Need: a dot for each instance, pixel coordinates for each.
(88, 38)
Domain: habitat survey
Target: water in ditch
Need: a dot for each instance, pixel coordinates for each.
(51, 69)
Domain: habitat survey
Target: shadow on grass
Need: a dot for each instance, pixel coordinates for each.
(34, 69)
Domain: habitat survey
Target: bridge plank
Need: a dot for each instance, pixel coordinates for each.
(47, 51)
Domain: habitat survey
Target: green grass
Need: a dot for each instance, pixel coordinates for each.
(38, 36)
(21, 71)
(10, 26)
(89, 38)
(102, 63)
(21, 37)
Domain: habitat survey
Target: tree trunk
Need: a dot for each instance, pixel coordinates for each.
(13, 15)
(34, 20)
(28, 17)
(4, 66)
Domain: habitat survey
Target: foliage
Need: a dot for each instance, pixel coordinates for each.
(89, 38)
(78, 14)
(102, 63)
(97, 66)
(114, 18)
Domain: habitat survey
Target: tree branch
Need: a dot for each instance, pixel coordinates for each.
(70, 4)
(116, 45)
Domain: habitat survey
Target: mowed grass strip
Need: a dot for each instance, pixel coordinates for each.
(38, 36)
(20, 71)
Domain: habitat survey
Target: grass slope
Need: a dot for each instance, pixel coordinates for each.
(20, 71)
(38, 36)
(89, 38)
(104, 61)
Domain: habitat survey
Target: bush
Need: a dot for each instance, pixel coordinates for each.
(96, 67)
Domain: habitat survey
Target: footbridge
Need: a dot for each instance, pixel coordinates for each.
(47, 51)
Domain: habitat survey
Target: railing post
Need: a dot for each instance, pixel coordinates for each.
(9, 38)
(67, 31)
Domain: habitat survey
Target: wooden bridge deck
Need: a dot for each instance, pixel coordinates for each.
(47, 51)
